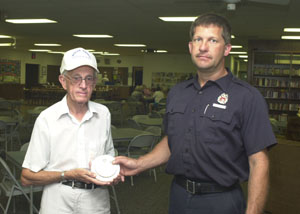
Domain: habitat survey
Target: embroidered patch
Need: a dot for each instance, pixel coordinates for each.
(223, 98)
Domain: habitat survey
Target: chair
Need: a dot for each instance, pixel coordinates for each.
(24, 147)
(10, 187)
(140, 117)
(115, 109)
(3, 134)
(133, 124)
(113, 127)
(156, 131)
(140, 145)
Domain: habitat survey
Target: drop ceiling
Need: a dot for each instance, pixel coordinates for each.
(136, 21)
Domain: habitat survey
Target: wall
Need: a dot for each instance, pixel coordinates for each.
(149, 62)
(43, 59)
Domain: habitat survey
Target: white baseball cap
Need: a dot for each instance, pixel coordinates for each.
(77, 57)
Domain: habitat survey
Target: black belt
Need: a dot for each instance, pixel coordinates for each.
(200, 187)
(80, 185)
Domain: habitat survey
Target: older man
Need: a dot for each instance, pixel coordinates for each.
(66, 137)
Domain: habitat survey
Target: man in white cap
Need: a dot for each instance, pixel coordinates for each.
(66, 137)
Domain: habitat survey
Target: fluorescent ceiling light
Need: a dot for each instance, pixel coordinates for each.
(153, 51)
(245, 60)
(44, 44)
(290, 37)
(178, 19)
(39, 50)
(110, 54)
(105, 53)
(243, 56)
(6, 44)
(291, 29)
(92, 36)
(232, 36)
(56, 52)
(236, 46)
(30, 21)
(238, 52)
(130, 45)
(90, 50)
(4, 36)
(161, 51)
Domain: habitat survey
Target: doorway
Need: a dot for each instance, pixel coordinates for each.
(137, 76)
(31, 75)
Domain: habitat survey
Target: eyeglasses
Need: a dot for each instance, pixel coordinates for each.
(77, 80)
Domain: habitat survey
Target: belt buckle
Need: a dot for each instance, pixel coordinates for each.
(189, 184)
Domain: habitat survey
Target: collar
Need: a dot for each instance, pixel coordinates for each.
(64, 109)
(223, 82)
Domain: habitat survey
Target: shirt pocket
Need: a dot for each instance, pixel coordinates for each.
(215, 124)
(175, 118)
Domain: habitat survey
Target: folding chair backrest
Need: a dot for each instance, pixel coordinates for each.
(8, 171)
(144, 142)
(12, 187)
(24, 147)
(133, 124)
(154, 130)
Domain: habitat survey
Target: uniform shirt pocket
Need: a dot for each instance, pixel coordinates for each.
(175, 118)
(215, 124)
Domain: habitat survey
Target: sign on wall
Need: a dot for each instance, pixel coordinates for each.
(10, 70)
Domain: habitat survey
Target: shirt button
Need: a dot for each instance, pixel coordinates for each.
(212, 116)
(193, 110)
(200, 92)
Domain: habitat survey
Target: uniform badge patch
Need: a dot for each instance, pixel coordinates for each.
(223, 98)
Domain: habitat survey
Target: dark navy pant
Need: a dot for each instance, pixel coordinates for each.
(183, 202)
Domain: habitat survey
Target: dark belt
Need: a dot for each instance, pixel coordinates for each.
(80, 185)
(201, 187)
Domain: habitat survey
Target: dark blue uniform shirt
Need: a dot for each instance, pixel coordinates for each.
(212, 130)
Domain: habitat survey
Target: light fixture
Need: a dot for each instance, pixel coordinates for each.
(237, 52)
(151, 50)
(105, 53)
(56, 52)
(291, 29)
(92, 36)
(231, 4)
(5, 36)
(232, 36)
(130, 45)
(178, 19)
(110, 54)
(6, 44)
(236, 46)
(161, 51)
(290, 37)
(39, 50)
(243, 56)
(49, 45)
(30, 21)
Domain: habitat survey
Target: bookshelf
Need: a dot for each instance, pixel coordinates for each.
(277, 77)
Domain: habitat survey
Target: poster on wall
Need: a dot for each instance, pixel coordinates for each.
(10, 71)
